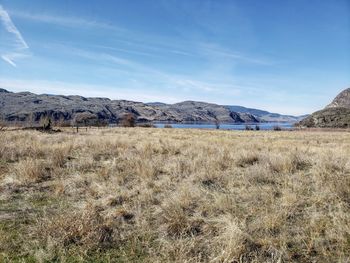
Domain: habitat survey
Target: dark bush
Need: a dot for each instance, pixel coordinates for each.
(128, 120)
(146, 125)
(277, 128)
(248, 128)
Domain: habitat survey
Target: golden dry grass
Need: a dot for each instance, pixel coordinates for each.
(172, 195)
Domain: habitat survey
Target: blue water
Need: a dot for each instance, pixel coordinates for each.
(263, 126)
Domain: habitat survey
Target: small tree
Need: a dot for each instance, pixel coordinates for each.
(84, 119)
(45, 122)
(217, 124)
(128, 120)
(257, 127)
(30, 120)
(61, 122)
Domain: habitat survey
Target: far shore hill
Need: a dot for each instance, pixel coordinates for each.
(27, 106)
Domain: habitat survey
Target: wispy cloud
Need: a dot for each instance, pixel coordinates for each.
(148, 76)
(8, 60)
(216, 51)
(137, 43)
(19, 44)
(97, 56)
(83, 89)
(64, 20)
(205, 86)
(11, 57)
(124, 50)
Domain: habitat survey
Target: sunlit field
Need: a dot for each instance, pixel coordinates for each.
(172, 195)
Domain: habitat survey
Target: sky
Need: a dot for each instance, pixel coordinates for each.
(290, 57)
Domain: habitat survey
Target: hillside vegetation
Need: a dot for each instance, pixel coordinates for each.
(172, 195)
(337, 117)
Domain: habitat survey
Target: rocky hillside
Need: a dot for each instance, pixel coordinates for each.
(342, 100)
(29, 107)
(194, 111)
(335, 115)
(265, 116)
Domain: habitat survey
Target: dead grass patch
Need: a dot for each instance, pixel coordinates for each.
(172, 195)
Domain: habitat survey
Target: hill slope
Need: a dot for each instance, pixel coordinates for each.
(26, 106)
(335, 115)
(341, 100)
(195, 111)
(265, 116)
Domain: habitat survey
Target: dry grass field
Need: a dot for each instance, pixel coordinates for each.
(172, 195)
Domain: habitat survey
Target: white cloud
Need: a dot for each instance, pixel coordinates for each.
(19, 45)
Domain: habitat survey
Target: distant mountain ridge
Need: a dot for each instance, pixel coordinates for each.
(193, 111)
(334, 115)
(259, 115)
(266, 116)
(25, 106)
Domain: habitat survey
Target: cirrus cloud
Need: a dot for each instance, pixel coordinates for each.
(18, 46)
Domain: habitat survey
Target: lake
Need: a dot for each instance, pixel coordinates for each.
(263, 126)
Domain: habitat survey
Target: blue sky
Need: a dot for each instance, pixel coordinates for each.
(290, 56)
